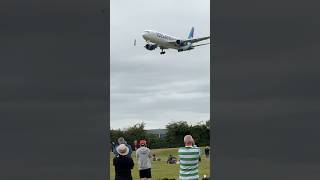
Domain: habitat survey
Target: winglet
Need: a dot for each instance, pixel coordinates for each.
(191, 33)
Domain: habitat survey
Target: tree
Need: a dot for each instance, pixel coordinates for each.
(174, 137)
(201, 134)
(115, 134)
(136, 132)
(176, 132)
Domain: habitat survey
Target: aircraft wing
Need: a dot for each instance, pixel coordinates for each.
(191, 40)
(197, 39)
(200, 44)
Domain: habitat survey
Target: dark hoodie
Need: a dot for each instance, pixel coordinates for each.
(123, 166)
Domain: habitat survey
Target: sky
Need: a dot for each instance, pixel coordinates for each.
(153, 88)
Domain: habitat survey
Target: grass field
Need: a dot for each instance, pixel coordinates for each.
(160, 169)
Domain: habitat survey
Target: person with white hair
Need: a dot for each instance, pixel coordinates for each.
(121, 140)
(123, 163)
(189, 160)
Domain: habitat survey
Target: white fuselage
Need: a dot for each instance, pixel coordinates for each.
(159, 38)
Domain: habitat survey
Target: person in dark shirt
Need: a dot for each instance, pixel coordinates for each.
(121, 140)
(207, 151)
(123, 163)
(171, 160)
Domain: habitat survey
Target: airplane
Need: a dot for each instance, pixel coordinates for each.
(155, 39)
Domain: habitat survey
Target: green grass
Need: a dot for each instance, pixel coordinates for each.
(160, 169)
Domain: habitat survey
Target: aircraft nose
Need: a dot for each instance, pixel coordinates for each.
(144, 35)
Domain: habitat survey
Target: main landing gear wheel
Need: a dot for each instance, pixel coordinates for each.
(162, 52)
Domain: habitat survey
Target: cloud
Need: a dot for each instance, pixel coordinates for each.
(147, 86)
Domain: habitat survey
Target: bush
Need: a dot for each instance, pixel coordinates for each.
(174, 137)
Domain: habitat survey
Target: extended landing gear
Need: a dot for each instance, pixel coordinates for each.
(162, 52)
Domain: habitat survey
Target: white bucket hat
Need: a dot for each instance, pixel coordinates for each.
(123, 150)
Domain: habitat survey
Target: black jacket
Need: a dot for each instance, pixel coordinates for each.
(123, 166)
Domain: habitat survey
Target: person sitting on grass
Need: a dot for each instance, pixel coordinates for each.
(171, 160)
(143, 155)
(123, 163)
(189, 159)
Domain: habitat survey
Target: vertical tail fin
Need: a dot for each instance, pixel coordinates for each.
(191, 33)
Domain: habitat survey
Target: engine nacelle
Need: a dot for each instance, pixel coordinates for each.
(186, 48)
(180, 42)
(150, 46)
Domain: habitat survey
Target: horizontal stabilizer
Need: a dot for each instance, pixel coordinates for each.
(138, 43)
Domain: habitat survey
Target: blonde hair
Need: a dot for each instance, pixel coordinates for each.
(188, 139)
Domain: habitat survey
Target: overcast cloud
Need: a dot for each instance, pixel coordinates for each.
(153, 88)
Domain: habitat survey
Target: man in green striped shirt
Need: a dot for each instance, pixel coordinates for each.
(189, 160)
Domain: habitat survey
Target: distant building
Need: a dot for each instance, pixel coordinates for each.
(161, 133)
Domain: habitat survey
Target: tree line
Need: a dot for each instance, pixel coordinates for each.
(174, 136)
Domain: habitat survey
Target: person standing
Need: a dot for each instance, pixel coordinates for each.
(122, 141)
(143, 155)
(189, 160)
(207, 151)
(123, 163)
(135, 142)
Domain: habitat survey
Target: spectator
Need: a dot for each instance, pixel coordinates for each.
(154, 157)
(144, 163)
(113, 147)
(123, 163)
(207, 151)
(135, 142)
(171, 160)
(122, 141)
(189, 159)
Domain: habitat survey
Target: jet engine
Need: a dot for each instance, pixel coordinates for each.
(180, 43)
(186, 48)
(150, 46)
